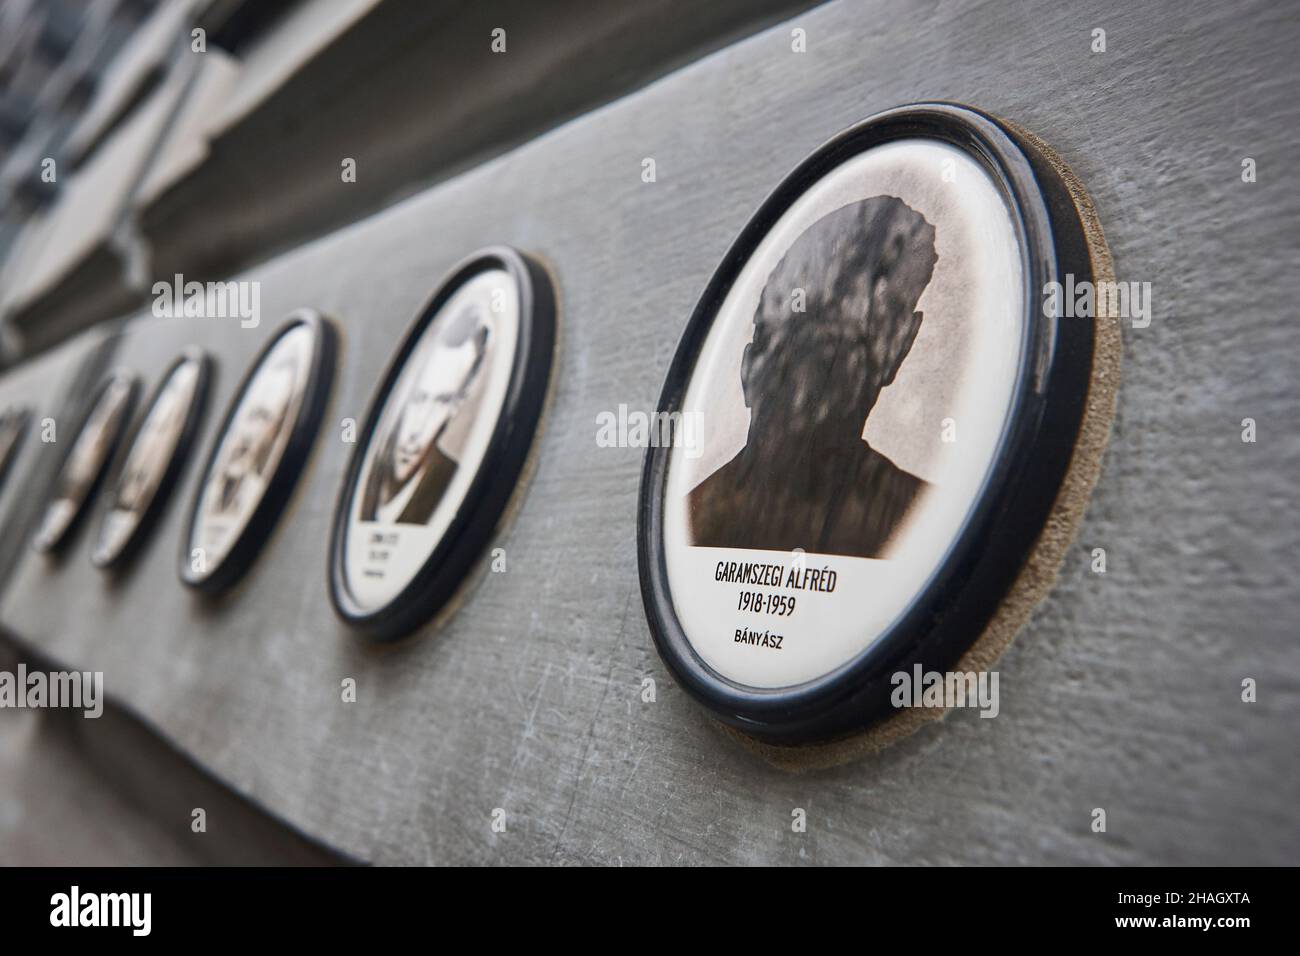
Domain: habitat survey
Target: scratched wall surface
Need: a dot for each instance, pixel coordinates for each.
(1123, 692)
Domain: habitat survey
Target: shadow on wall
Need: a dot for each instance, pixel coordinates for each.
(108, 791)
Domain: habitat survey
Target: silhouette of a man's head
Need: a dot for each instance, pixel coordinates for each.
(858, 274)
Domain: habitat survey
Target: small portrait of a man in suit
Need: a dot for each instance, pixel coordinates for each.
(149, 457)
(92, 447)
(152, 450)
(263, 416)
(835, 321)
(410, 467)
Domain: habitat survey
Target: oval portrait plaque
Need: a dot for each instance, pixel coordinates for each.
(81, 472)
(13, 426)
(154, 458)
(443, 443)
(872, 418)
(259, 452)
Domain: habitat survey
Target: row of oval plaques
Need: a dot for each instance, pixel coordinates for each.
(818, 532)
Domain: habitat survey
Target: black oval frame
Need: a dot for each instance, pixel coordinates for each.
(84, 507)
(489, 494)
(180, 455)
(980, 565)
(297, 450)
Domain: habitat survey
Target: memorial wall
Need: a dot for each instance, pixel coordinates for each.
(851, 433)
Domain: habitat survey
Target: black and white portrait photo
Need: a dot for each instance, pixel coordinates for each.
(412, 468)
(247, 454)
(430, 435)
(87, 459)
(836, 320)
(852, 388)
(148, 458)
(252, 445)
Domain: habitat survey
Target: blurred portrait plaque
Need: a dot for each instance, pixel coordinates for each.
(443, 444)
(259, 452)
(81, 472)
(13, 427)
(154, 458)
(882, 416)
